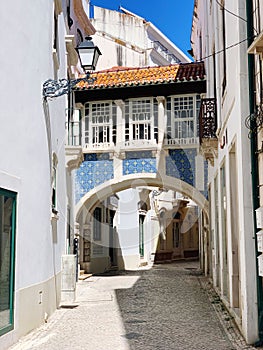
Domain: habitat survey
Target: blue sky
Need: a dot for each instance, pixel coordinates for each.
(172, 17)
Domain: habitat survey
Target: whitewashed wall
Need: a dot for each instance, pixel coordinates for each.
(126, 40)
(232, 109)
(29, 135)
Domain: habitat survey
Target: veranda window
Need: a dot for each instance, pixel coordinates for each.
(182, 117)
(139, 120)
(100, 123)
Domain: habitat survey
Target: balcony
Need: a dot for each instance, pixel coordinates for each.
(163, 51)
(179, 142)
(140, 144)
(98, 146)
(207, 129)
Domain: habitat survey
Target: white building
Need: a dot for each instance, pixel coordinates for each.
(140, 133)
(131, 40)
(36, 211)
(125, 40)
(219, 38)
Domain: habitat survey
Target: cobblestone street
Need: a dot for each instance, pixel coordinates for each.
(168, 307)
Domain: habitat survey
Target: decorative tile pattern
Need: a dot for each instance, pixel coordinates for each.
(134, 166)
(139, 155)
(95, 170)
(181, 164)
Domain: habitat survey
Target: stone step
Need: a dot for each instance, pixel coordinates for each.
(84, 276)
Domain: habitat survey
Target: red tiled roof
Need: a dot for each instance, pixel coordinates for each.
(125, 77)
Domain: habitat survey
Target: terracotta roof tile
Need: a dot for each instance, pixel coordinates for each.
(123, 76)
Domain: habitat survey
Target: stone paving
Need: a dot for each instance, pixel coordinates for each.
(168, 307)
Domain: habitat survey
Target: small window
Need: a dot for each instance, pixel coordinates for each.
(141, 235)
(177, 216)
(176, 234)
(54, 185)
(54, 194)
(97, 219)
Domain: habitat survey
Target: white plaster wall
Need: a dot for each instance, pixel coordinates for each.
(129, 40)
(119, 54)
(119, 25)
(128, 227)
(27, 142)
(232, 111)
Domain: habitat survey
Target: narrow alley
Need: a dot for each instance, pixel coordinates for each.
(168, 307)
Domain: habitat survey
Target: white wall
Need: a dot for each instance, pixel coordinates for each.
(232, 109)
(129, 39)
(27, 144)
(128, 227)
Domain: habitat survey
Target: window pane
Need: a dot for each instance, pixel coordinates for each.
(97, 218)
(7, 205)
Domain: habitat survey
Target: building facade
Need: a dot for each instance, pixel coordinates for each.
(132, 40)
(36, 203)
(220, 36)
(132, 137)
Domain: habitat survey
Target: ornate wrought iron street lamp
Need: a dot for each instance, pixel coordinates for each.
(88, 54)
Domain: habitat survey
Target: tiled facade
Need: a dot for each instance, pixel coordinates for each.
(181, 164)
(139, 162)
(95, 170)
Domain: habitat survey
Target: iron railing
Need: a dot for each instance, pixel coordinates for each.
(207, 119)
(254, 122)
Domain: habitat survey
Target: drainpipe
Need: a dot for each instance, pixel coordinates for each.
(254, 163)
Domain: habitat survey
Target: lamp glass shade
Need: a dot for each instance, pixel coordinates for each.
(88, 54)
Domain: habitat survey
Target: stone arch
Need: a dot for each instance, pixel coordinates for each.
(101, 192)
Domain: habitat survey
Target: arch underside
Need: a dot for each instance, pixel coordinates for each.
(108, 188)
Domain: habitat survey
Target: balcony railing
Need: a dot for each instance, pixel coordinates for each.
(156, 45)
(207, 119)
(181, 141)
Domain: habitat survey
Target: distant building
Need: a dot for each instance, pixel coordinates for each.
(126, 40)
(132, 41)
(140, 134)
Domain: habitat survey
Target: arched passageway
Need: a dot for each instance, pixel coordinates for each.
(127, 245)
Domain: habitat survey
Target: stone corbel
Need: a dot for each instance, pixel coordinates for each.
(119, 103)
(120, 155)
(74, 157)
(160, 99)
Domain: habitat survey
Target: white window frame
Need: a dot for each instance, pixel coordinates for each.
(136, 122)
(99, 121)
(191, 135)
(185, 100)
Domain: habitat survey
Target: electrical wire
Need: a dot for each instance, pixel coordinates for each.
(233, 14)
(229, 47)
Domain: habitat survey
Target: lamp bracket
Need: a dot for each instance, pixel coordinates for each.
(55, 88)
